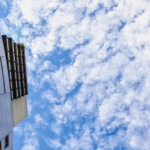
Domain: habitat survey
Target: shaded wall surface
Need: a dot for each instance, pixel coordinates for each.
(19, 109)
(6, 121)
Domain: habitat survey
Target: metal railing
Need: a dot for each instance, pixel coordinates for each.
(15, 56)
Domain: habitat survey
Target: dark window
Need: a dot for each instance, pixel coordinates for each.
(0, 145)
(6, 141)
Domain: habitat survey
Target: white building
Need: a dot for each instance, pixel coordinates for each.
(13, 89)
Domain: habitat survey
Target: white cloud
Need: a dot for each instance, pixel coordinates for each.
(30, 107)
(2, 2)
(31, 141)
(53, 143)
(72, 143)
(56, 128)
(3, 27)
(49, 96)
(31, 144)
(39, 120)
(18, 130)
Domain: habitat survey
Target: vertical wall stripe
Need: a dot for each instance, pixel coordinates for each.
(1, 78)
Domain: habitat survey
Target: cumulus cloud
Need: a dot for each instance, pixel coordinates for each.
(39, 120)
(3, 27)
(30, 138)
(3, 3)
(18, 130)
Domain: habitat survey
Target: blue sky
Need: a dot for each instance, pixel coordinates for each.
(88, 68)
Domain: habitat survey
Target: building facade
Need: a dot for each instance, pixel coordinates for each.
(13, 89)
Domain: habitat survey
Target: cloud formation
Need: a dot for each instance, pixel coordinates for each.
(100, 98)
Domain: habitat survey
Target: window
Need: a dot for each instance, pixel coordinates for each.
(16, 84)
(19, 83)
(11, 85)
(8, 55)
(7, 44)
(15, 75)
(0, 145)
(12, 94)
(9, 66)
(21, 61)
(24, 90)
(14, 57)
(12, 48)
(16, 50)
(17, 92)
(19, 76)
(20, 92)
(18, 68)
(10, 75)
(14, 66)
(17, 60)
(6, 141)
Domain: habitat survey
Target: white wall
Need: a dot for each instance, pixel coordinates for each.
(19, 109)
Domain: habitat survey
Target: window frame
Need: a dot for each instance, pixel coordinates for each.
(6, 141)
